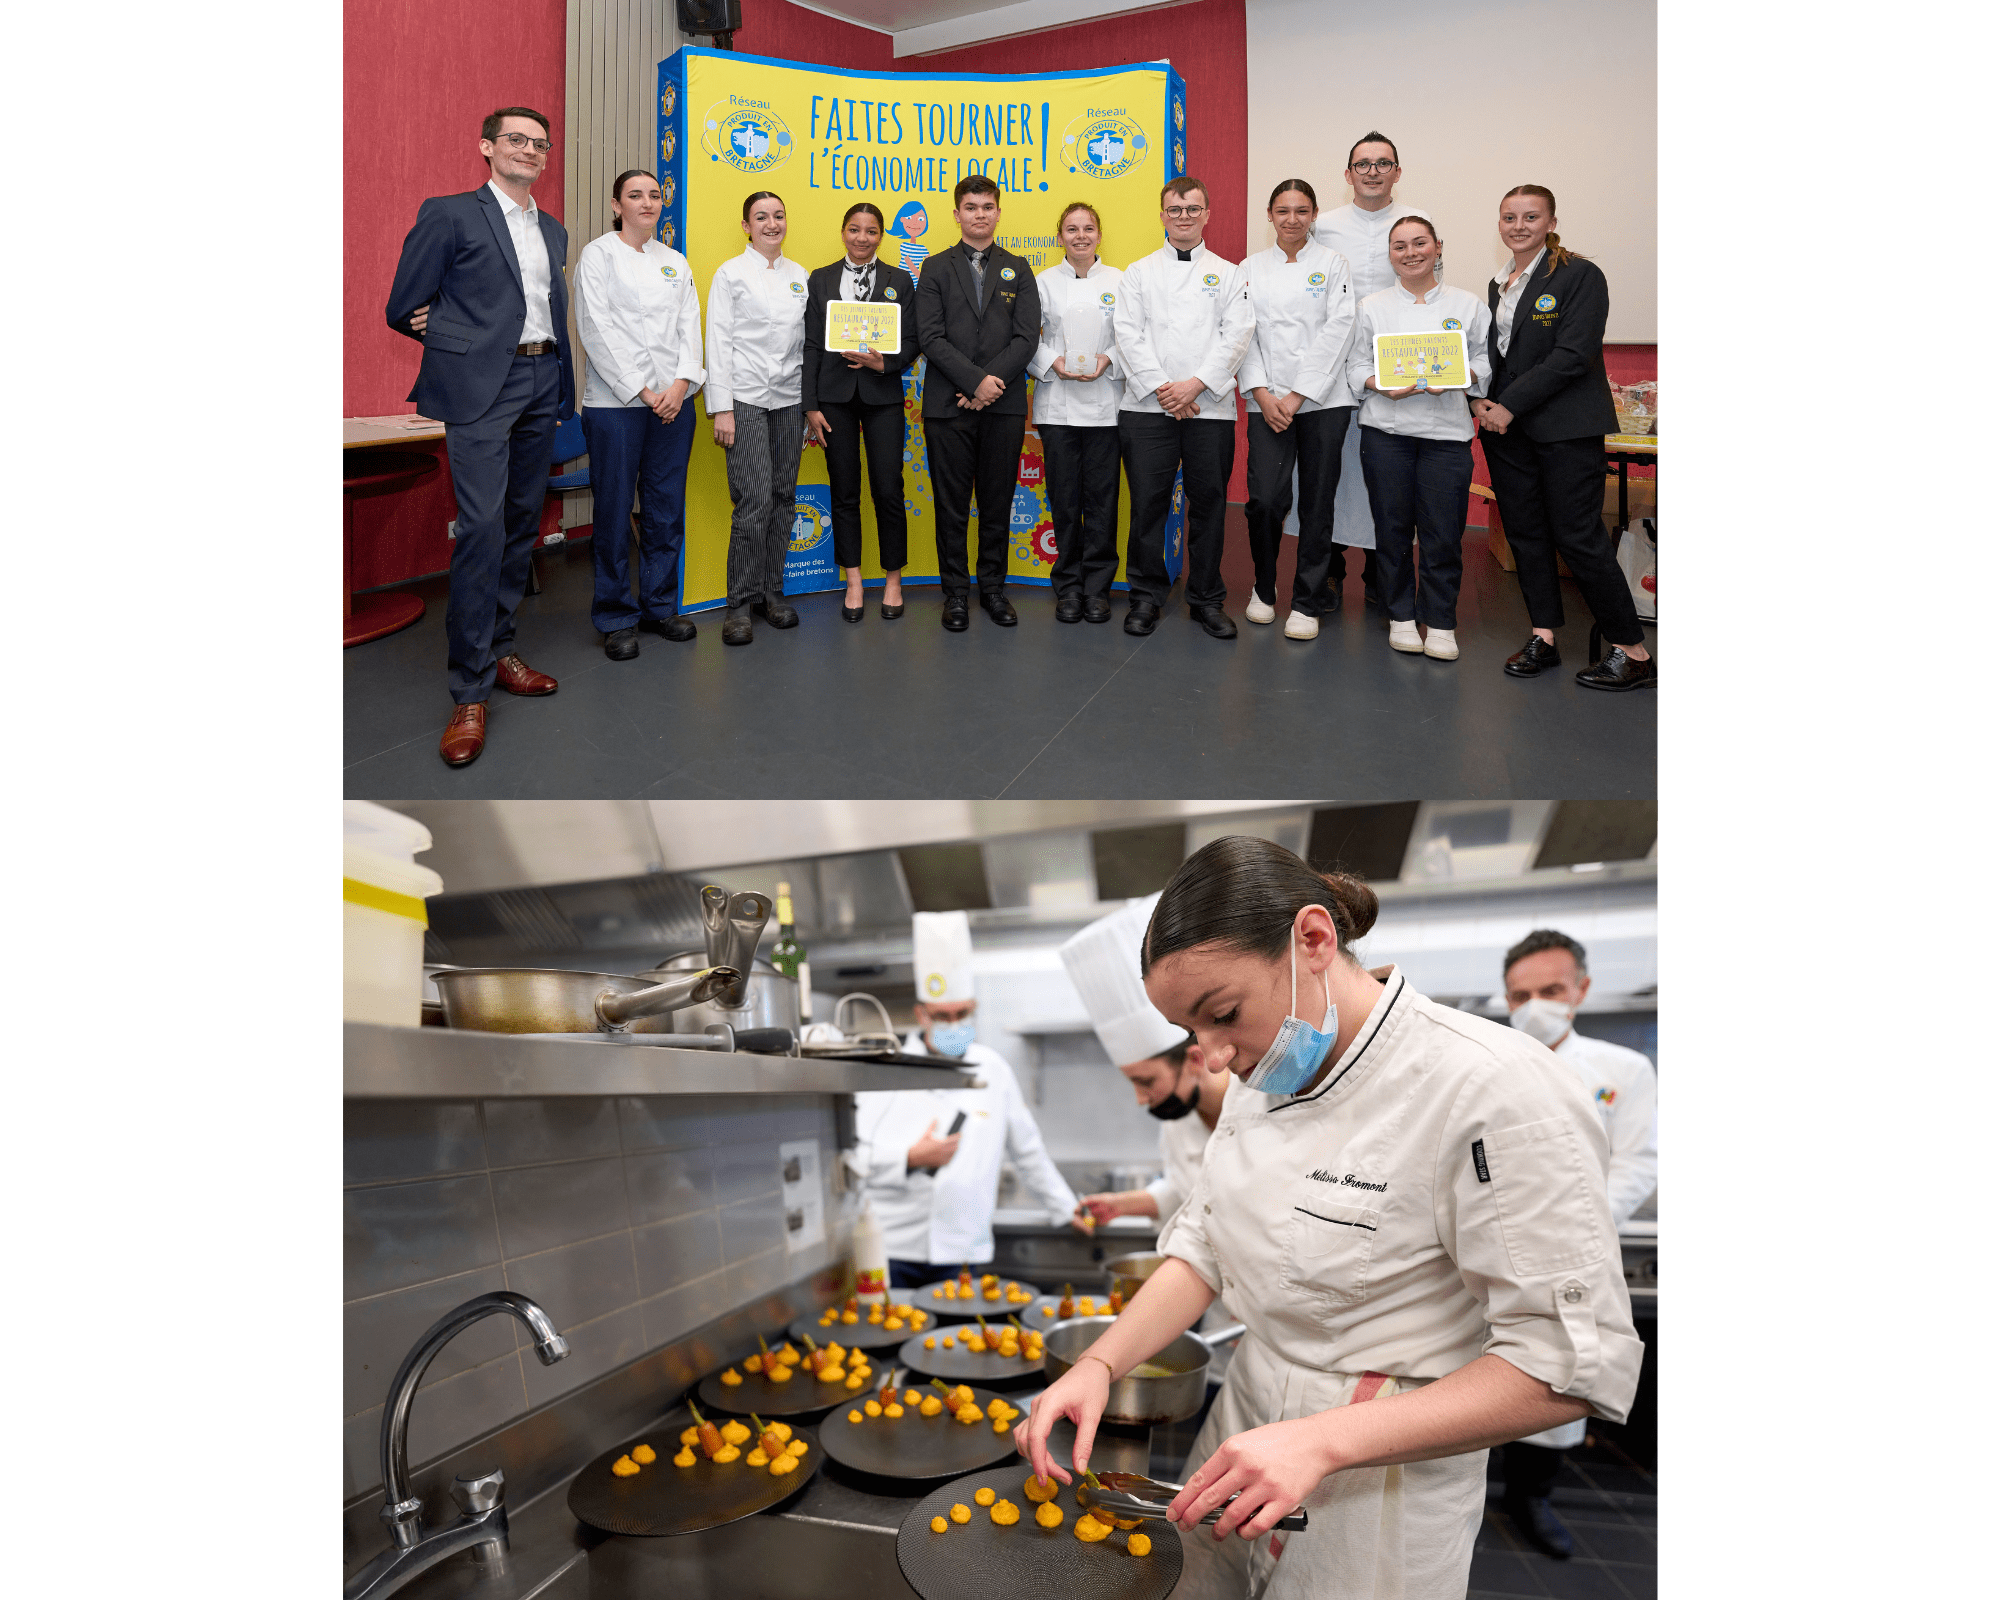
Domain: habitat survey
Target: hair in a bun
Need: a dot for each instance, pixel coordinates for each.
(1245, 894)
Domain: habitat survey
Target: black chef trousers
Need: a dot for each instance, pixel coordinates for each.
(1080, 467)
(1153, 445)
(848, 422)
(980, 453)
(1551, 499)
(1312, 443)
(1418, 487)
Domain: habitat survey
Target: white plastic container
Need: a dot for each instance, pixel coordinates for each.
(871, 1259)
(382, 903)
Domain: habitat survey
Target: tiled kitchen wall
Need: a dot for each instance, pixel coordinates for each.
(632, 1222)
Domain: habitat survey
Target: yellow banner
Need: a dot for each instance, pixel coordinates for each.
(864, 325)
(823, 139)
(1424, 360)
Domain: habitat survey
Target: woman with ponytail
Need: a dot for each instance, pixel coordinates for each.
(1547, 410)
(1405, 1203)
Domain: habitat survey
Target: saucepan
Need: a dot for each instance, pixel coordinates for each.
(551, 1000)
(1167, 1387)
(1129, 1273)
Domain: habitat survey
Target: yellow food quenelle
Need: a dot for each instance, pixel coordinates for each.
(690, 1435)
(644, 1454)
(789, 1355)
(950, 1341)
(961, 1513)
(967, 1415)
(984, 1497)
(1002, 1424)
(1090, 1530)
(1041, 1490)
(932, 1405)
(726, 1454)
(974, 1342)
(853, 1416)
(780, 1374)
(1049, 1514)
(911, 1396)
(624, 1467)
(734, 1433)
(757, 1458)
(796, 1448)
(850, 1316)
(731, 1377)
(783, 1465)
(873, 1408)
(892, 1410)
(1048, 1311)
(938, 1524)
(931, 1342)
(857, 1381)
(1139, 1544)
(782, 1429)
(996, 1406)
(1006, 1513)
(963, 1396)
(686, 1456)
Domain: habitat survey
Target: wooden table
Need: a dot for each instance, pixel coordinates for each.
(1629, 450)
(361, 432)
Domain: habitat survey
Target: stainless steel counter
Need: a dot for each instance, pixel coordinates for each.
(386, 1063)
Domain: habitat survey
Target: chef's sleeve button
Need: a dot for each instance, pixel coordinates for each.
(1572, 1293)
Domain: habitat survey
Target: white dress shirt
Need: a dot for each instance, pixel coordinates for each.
(1624, 1088)
(1510, 299)
(1177, 320)
(756, 332)
(947, 1219)
(1305, 321)
(1363, 238)
(1071, 305)
(1440, 415)
(531, 252)
(639, 318)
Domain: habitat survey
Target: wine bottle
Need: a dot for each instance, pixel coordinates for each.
(789, 956)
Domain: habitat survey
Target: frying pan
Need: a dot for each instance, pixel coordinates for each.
(960, 1365)
(916, 1446)
(666, 1499)
(965, 1310)
(802, 1395)
(1171, 1391)
(551, 1000)
(1027, 1561)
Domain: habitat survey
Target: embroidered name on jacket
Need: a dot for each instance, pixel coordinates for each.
(1347, 1180)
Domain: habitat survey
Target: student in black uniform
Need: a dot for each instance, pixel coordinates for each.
(1545, 418)
(850, 396)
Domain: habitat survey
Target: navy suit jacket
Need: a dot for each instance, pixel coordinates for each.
(459, 260)
(963, 342)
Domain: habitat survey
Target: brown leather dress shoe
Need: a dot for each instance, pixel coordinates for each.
(517, 677)
(465, 735)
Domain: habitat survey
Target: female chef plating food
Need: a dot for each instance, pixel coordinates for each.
(1409, 1214)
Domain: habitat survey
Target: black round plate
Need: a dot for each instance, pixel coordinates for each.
(960, 1365)
(1027, 1561)
(916, 1446)
(802, 1395)
(665, 1499)
(1031, 1316)
(868, 1335)
(965, 1310)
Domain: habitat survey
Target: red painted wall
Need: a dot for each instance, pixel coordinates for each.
(1623, 363)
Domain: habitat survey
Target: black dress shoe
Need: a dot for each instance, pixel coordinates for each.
(1214, 621)
(1142, 618)
(1533, 657)
(1541, 1527)
(957, 613)
(1096, 610)
(891, 612)
(1069, 607)
(999, 608)
(622, 644)
(678, 629)
(853, 613)
(736, 630)
(1618, 671)
(777, 613)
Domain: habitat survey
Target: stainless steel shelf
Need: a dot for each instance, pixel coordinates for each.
(385, 1063)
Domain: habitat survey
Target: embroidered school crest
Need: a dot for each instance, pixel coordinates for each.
(1451, 323)
(1545, 302)
(1007, 274)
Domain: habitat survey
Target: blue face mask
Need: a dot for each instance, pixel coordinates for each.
(953, 1038)
(1295, 1055)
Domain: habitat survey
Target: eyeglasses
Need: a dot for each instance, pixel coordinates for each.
(520, 141)
(1372, 166)
(1184, 213)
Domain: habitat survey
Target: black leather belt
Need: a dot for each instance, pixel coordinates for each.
(541, 347)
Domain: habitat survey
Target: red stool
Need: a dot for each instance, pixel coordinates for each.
(368, 472)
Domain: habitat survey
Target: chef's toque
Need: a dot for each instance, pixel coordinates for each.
(942, 956)
(1103, 963)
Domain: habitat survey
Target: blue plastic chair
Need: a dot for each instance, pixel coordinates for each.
(568, 446)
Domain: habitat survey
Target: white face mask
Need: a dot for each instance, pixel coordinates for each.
(1545, 1020)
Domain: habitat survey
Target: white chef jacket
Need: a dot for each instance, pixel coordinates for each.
(1440, 1196)
(756, 332)
(1444, 414)
(948, 1219)
(1183, 319)
(1305, 321)
(531, 254)
(1363, 238)
(1510, 299)
(1066, 301)
(1623, 1087)
(639, 318)
(1182, 1145)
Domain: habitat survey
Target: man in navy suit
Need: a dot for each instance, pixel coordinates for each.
(480, 284)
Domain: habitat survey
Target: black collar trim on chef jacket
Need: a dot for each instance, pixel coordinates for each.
(1387, 1012)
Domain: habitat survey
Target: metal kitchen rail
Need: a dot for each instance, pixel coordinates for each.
(388, 1063)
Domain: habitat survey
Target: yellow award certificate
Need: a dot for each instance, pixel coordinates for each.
(1421, 360)
(864, 325)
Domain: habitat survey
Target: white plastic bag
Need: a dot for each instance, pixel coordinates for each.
(1636, 560)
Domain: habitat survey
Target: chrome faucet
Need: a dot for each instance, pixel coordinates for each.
(482, 1517)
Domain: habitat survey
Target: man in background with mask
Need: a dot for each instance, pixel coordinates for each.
(1161, 1061)
(1546, 979)
(934, 1194)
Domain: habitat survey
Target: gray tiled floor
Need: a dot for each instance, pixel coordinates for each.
(1043, 710)
(1608, 1504)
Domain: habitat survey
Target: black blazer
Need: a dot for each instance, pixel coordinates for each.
(827, 375)
(964, 344)
(459, 260)
(1552, 377)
